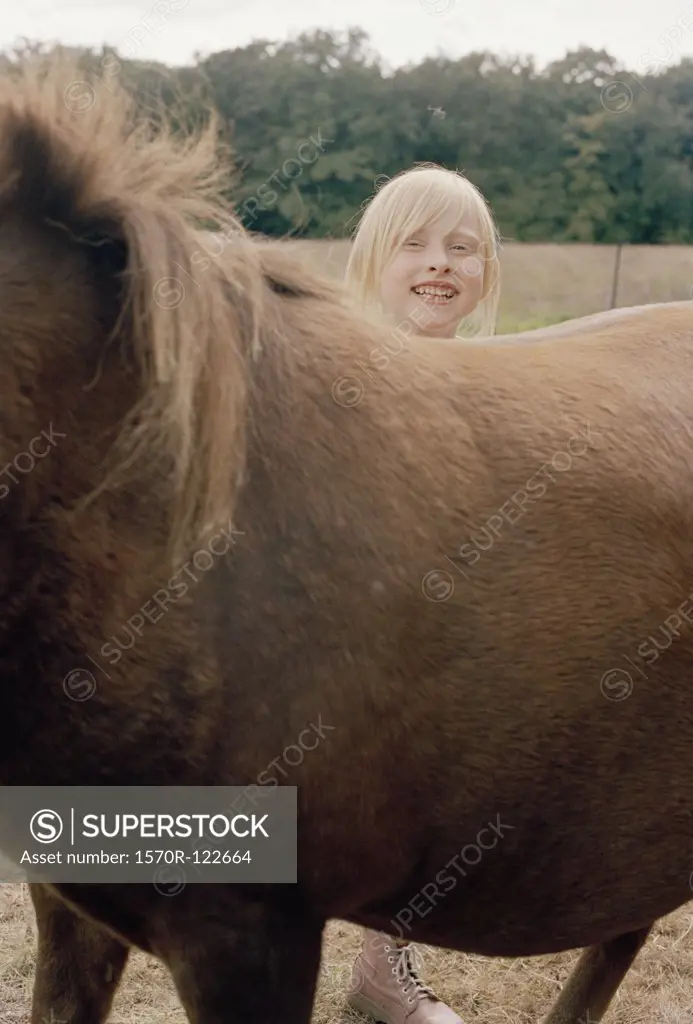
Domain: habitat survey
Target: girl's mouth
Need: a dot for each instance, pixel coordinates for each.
(437, 295)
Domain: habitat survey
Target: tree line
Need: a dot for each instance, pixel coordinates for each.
(582, 150)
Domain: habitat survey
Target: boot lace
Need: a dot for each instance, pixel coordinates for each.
(405, 973)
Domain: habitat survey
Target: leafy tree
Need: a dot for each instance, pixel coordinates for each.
(583, 150)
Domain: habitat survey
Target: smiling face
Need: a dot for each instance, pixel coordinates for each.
(435, 276)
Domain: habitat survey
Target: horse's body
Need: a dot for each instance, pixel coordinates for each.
(443, 580)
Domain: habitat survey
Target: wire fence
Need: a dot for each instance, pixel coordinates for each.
(549, 281)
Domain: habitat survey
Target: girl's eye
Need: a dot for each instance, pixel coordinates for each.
(412, 243)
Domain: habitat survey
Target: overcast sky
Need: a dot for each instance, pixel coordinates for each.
(638, 32)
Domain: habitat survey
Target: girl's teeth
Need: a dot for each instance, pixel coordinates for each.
(439, 293)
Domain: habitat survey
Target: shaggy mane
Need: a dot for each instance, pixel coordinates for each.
(74, 156)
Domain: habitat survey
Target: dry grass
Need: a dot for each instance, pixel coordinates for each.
(657, 990)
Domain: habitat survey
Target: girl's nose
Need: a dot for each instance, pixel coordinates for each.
(439, 261)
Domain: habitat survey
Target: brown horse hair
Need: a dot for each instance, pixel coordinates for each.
(113, 177)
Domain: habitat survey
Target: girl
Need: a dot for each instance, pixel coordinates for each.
(426, 253)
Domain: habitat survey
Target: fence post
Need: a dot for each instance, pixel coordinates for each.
(617, 272)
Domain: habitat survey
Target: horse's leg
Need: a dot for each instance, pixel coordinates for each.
(78, 966)
(260, 966)
(595, 979)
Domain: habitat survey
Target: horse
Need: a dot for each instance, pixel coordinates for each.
(468, 571)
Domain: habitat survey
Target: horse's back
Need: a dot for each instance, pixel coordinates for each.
(591, 324)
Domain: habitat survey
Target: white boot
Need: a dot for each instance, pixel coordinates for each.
(385, 985)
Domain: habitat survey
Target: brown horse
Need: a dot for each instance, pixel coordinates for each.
(469, 574)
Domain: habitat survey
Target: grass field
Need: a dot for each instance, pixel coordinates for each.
(545, 283)
(657, 990)
(542, 284)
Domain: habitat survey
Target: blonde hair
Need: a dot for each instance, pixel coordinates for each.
(403, 205)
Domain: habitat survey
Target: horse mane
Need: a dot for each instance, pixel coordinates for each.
(75, 157)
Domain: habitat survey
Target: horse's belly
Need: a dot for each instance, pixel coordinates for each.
(524, 922)
(552, 875)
